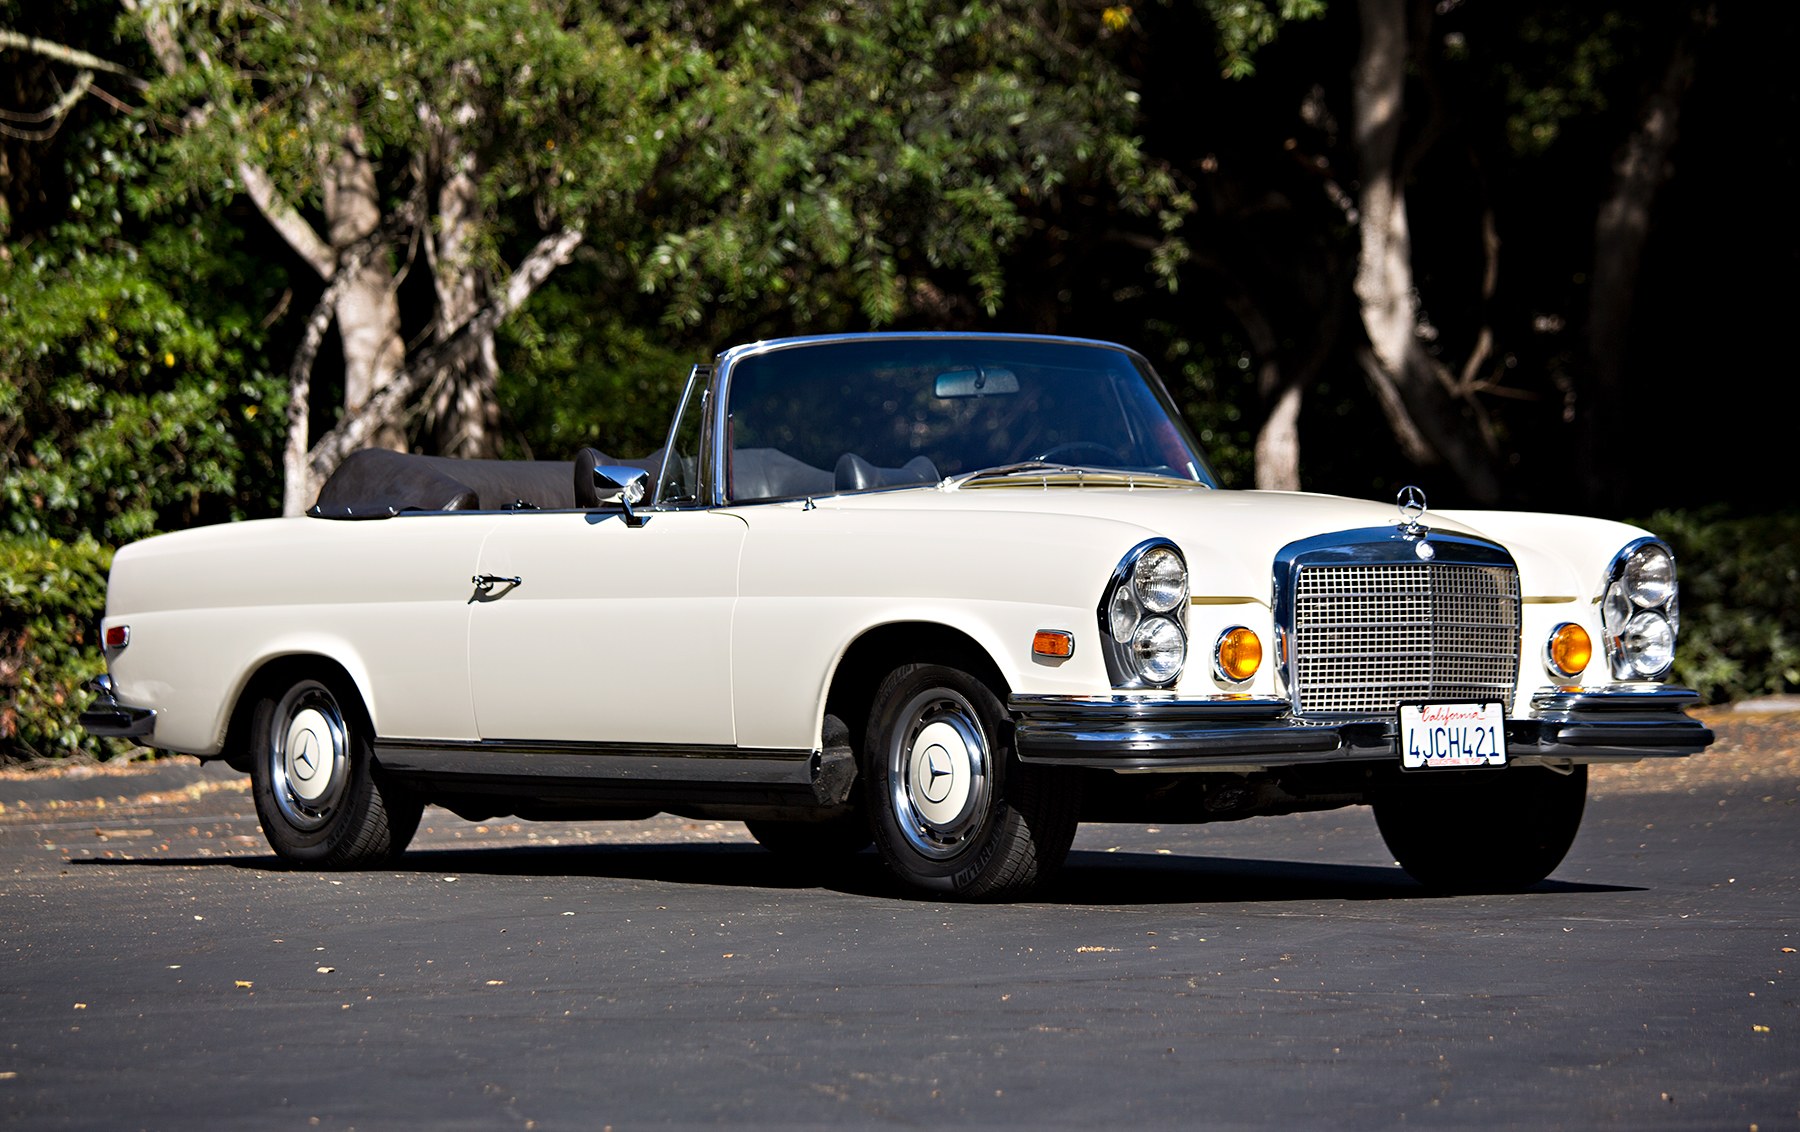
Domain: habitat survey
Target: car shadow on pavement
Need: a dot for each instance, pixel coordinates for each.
(1089, 878)
(1101, 878)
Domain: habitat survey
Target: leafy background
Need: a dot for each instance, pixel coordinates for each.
(1603, 248)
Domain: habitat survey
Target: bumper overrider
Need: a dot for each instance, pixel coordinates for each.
(107, 718)
(1619, 723)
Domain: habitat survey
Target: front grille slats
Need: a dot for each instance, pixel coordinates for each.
(1369, 637)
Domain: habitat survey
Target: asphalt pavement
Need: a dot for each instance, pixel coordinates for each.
(167, 972)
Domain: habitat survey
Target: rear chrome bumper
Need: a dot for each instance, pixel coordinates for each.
(107, 718)
(1621, 723)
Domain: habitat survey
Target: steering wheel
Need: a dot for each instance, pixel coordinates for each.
(1109, 453)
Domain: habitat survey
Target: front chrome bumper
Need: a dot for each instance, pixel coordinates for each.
(1143, 733)
(107, 718)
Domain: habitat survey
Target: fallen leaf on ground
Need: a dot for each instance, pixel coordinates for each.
(245, 983)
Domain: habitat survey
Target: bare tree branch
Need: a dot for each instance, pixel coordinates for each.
(299, 487)
(287, 222)
(64, 54)
(52, 114)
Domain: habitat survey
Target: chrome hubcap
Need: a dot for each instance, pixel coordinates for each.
(939, 774)
(309, 756)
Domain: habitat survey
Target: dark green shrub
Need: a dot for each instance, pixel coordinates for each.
(51, 596)
(1740, 601)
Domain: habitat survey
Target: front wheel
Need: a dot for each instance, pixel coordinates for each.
(951, 811)
(313, 777)
(1482, 831)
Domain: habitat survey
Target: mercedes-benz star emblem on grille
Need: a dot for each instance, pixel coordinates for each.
(1411, 502)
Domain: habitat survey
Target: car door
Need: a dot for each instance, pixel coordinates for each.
(591, 631)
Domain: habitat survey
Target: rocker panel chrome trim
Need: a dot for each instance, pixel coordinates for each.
(625, 763)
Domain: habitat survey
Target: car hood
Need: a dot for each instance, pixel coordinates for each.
(1231, 538)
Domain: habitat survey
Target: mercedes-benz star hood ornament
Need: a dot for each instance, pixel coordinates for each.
(1411, 502)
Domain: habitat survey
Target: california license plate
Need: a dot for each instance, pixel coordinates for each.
(1438, 736)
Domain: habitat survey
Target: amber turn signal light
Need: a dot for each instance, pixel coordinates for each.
(1053, 643)
(1238, 655)
(1569, 650)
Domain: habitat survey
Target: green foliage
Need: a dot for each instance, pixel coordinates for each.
(51, 596)
(869, 157)
(1206, 387)
(1244, 26)
(1563, 72)
(1740, 625)
(578, 375)
(132, 398)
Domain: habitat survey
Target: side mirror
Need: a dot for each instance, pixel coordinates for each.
(628, 483)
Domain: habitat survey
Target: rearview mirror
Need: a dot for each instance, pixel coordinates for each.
(976, 382)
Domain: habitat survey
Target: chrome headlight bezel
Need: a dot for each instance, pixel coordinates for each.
(1146, 598)
(1639, 610)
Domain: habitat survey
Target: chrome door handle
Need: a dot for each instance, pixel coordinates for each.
(485, 583)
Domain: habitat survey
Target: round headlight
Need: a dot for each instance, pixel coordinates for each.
(1160, 580)
(1615, 609)
(1650, 576)
(1649, 643)
(1122, 614)
(1159, 649)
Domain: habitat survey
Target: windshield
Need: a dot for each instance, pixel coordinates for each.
(850, 415)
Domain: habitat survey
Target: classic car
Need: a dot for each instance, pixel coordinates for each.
(951, 594)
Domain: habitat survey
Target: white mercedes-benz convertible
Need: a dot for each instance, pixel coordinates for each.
(948, 593)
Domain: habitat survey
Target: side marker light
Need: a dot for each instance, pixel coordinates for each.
(1053, 643)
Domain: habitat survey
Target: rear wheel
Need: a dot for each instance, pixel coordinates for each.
(952, 812)
(1482, 831)
(312, 774)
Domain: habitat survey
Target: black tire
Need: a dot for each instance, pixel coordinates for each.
(814, 841)
(313, 775)
(1482, 831)
(951, 810)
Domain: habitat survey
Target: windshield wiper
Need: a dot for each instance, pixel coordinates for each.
(951, 483)
(1081, 472)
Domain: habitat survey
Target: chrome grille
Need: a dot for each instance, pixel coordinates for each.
(1369, 637)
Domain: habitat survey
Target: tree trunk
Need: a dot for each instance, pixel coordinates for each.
(1620, 232)
(1278, 443)
(1416, 393)
(461, 411)
(386, 407)
(368, 310)
(1277, 450)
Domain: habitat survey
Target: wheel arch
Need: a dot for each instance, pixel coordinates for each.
(277, 672)
(881, 649)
